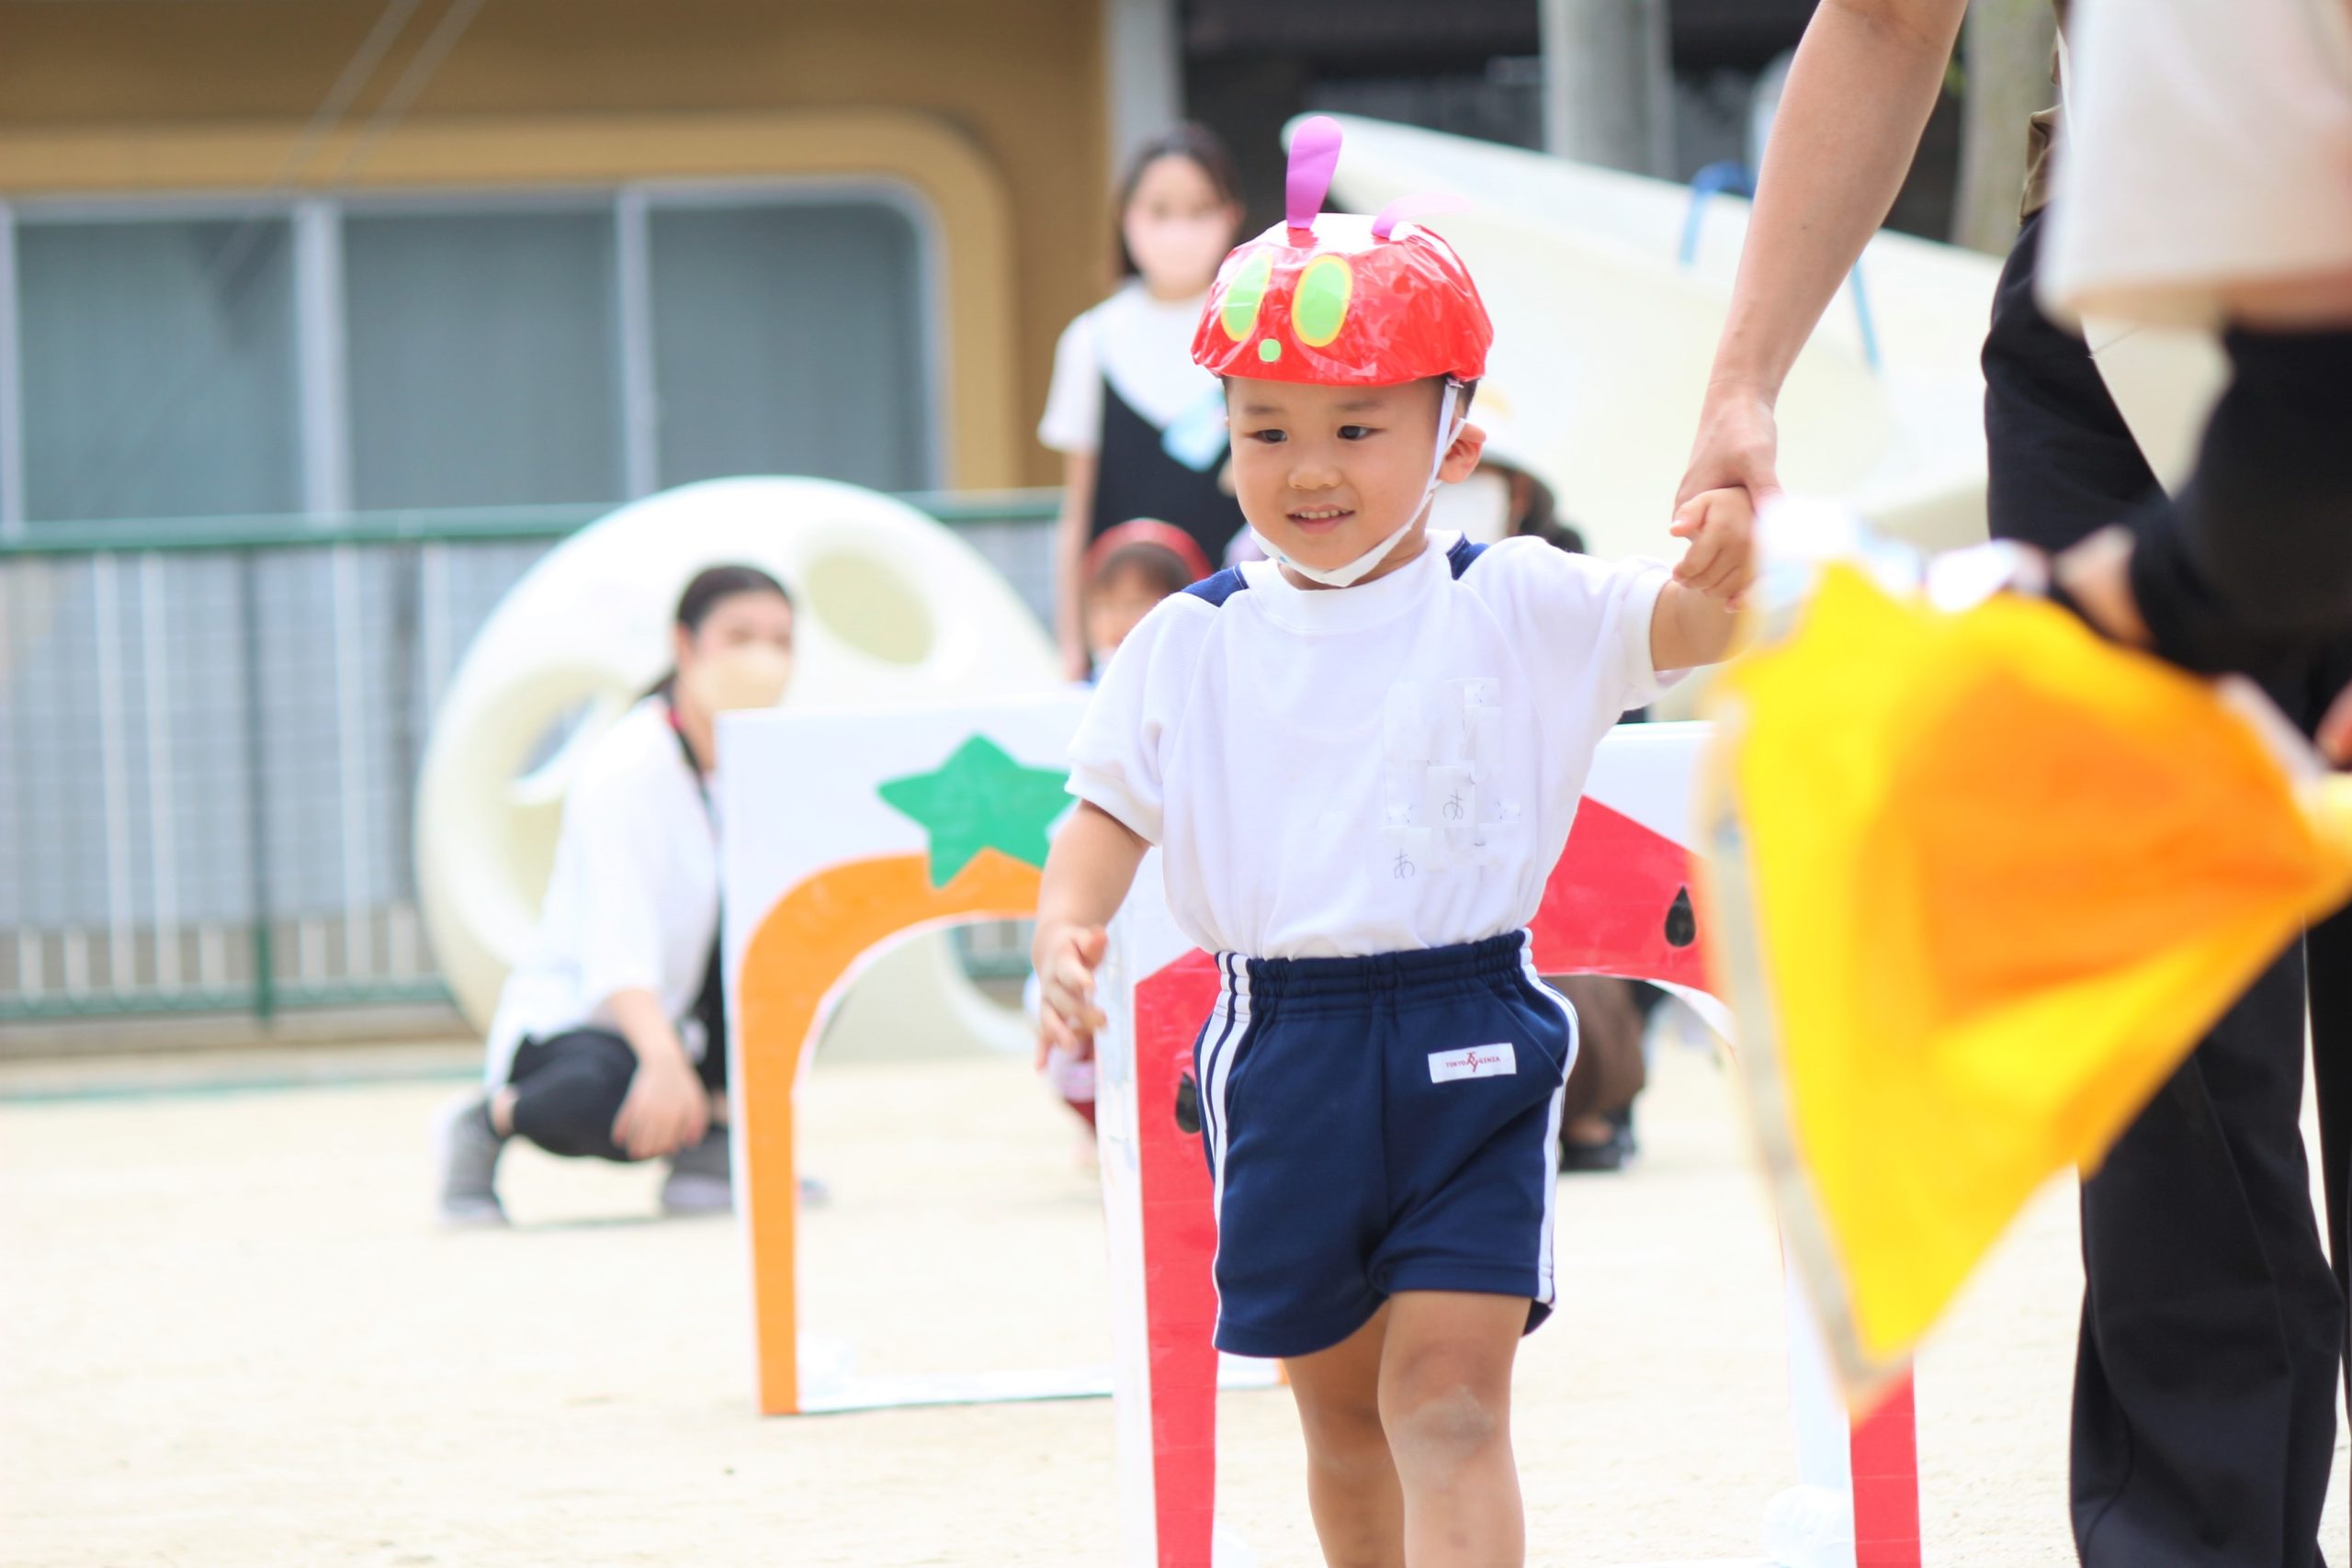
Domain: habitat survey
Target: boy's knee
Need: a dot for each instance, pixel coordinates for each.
(1440, 1407)
(1444, 1427)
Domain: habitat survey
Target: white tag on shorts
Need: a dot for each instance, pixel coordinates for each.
(1473, 1062)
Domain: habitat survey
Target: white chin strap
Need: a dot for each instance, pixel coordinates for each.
(1348, 575)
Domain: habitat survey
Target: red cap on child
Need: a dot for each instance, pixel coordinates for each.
(1147, 531)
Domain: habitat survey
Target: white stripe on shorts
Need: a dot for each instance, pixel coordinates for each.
(1219, 1072)
(1216, 1070)
(1213, 1037)
(1545, 1292)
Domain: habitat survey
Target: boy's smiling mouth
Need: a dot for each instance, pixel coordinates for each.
(1318, 519)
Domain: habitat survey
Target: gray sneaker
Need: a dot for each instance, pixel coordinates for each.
(468, 1147)
(702, 1177)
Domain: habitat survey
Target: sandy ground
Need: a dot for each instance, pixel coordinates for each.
(233, 1338)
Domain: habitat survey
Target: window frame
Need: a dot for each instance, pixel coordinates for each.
(12, 393)
(324, 432)
(819, 190)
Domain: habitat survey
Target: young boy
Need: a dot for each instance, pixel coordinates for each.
(1361, 758)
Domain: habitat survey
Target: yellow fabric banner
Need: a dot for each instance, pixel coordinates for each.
(1981, 880)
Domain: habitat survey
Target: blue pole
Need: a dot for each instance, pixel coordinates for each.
(1733, 178)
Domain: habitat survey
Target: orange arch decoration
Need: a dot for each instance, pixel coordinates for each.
(805, 951)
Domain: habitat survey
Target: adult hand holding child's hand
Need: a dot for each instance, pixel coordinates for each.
(1067, 957)
(1738, 444)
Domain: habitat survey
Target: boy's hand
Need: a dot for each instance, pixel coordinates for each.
(1067, 957)
(1721, 527)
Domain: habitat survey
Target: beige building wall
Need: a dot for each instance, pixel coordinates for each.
(993, 111)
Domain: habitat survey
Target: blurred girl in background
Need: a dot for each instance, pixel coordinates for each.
(1140, 427)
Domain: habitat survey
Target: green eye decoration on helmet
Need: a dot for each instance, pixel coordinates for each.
(1244, 295)
(1319, 305)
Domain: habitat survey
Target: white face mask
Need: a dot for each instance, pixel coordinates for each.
(754, 675)
(1178, 252)
(1351, 573)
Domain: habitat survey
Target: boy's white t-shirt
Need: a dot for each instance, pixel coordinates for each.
(1375, 769)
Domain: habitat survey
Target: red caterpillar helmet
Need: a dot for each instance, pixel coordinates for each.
(1340, 300)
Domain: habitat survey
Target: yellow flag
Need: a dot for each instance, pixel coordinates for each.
(1980, 881)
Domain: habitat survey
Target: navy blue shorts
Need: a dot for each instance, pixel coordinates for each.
(1379, 1125)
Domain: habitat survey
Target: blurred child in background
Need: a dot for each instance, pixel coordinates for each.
(1130, 569)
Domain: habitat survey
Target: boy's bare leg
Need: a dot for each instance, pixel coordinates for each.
(1445, 1405)
(1351, 1480)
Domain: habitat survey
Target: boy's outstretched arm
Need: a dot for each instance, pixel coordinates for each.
(1694, 623)
(1088, 872)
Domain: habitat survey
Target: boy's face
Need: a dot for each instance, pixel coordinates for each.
(1327, 472)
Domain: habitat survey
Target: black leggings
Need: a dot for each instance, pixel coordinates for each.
(569, 1089)
(2205, 1380)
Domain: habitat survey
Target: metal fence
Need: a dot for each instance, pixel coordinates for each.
(209, 736)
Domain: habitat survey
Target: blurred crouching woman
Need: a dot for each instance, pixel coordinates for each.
(610, 1040)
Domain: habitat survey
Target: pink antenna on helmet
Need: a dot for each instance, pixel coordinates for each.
(1314, 155)
(1415, 205)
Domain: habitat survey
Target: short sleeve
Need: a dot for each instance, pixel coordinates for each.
(618, 850)
(2208, 146)
(1585, 622)
(1073, 422)
(1115, 761)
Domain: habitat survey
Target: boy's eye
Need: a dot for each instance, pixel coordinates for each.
(1355, 432)
(1270, 438)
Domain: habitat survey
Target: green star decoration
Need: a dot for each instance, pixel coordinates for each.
(980, 799)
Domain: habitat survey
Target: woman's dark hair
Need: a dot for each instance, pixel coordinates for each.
(1185, 140)
(713, 583)
(710, 586)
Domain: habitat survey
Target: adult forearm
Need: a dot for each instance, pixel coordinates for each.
(1865, 79)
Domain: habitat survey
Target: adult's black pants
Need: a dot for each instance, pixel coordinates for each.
(568, 1090)
(2213, 1328)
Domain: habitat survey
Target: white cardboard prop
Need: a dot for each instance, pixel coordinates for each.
(921, 817)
